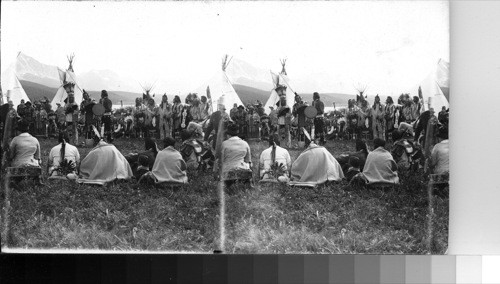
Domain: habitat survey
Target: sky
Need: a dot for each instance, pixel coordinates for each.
(387, 45)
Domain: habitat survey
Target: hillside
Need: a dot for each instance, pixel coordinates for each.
(247, 94)
(37, 91)
(250, 95)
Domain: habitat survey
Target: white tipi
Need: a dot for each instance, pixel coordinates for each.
(220, 88)
(435, 87)
(66, 77)
(12, 90)
(280, 79)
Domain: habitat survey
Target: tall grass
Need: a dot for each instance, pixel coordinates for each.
(264, 219)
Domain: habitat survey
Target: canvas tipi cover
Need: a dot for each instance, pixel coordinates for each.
(281, 79)
(435, 87)
(12, 88)
(66, 77)
(221, 89)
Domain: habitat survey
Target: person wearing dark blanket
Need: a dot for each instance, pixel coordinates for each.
(106, 118)
(298, 111)
(354, 168)
(151, 151)
(361, 154)
(319, 123)
(86, 110)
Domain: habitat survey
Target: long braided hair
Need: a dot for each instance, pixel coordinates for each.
(63, 137)
(274, 141)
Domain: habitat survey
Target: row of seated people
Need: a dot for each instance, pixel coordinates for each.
(315, 165)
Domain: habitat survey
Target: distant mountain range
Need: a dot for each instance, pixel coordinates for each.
(251, 83)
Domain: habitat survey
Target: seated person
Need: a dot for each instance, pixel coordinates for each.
(404, 152)
(361, 153)
(103, 164)
(274, 162)
(439, 162)
(24, 148)
(315, 165)
(235, 161)
(380, 167)
(169, 166)
(60, 152)
(192, 150)
(151, 150)
(354, 168)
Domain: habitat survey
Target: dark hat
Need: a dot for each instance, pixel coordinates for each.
(241, 107)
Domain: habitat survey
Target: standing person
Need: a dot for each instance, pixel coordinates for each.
(389, 114)
(283, 110)
(61, 117)
(215, 122)
(195, 109)
(443, 116)
(240, 117)
(204, 108)
(106, 118)
(20, 108)
(260, 109)
(378, 123)
(319, 124)
(37, 118)
(407, 109)
(71, 111)
(176, 115)
(29, 116)
(298, 112)
(363, 115)
(165, 111)
(44, 118)
(139, 115)
(233, 111)
(152, 114)
(416, 108)
(86, 110)
(273, 117)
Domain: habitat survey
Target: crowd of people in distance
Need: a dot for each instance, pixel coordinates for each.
(217, 140)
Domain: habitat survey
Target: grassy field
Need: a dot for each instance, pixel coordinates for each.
(264, 219)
